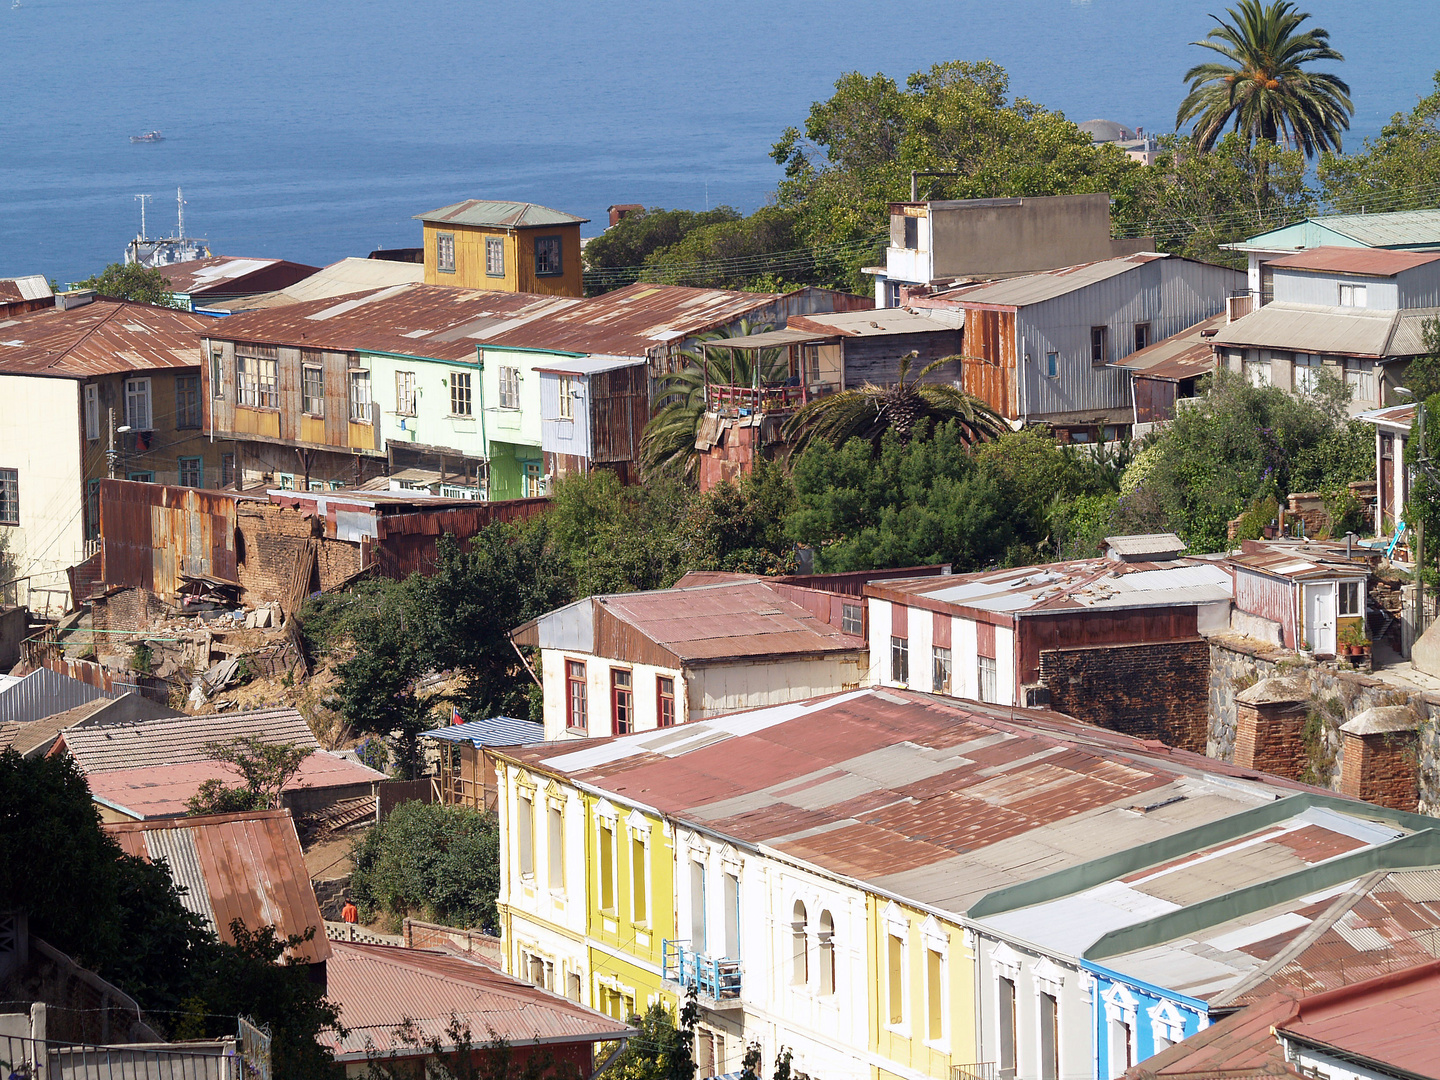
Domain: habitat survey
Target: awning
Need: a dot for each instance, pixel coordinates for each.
(770, 339)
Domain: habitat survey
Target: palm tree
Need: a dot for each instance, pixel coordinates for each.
(869, 411)
(668, 442)
(1265, 91)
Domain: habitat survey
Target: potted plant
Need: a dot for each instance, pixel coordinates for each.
(1353, 639)
(1305, 649)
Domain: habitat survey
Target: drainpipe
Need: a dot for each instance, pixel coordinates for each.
(484, 443)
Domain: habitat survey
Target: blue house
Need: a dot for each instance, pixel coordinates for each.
(1135, 1021)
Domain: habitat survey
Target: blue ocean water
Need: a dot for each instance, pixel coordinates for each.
(315, 130)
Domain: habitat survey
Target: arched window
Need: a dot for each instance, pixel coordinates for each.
(827, 953)
(799, 948)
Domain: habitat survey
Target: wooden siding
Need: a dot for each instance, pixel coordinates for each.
(1069, 629)
(619, 410)
(519, 273)
(989, 345)
(877, 359)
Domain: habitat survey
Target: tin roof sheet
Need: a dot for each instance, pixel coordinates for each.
(99, 338)
(351, 275)
(180, 739)
(1037, 288)
(1301, 563)
(1237, 1047)
(380, 987)
(931, 799)
(495, 731)
(1335, 330)
(499, 214)
(220, 274)
(880, 322)
(29, 287)
(1370, 262)
(1389, 1020)
(236, 866)
(1403, 228)
(1400, 416)
(1185, 355)
(590, 365)
(770, 339)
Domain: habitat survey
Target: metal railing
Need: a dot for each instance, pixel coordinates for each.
(39, 1059)
(254, 1042)
(716, 979)
(741, 399)
(982, 1070)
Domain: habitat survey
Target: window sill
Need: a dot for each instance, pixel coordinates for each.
(498, 277)
(461, 416)
(443, 270)
(577, 731)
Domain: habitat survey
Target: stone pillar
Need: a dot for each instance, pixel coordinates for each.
(1270, 727)
(1379, 759)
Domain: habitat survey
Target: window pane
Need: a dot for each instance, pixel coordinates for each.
(360, 397)
(852, 619)
(575, 704)
(895, 978)
(556, 845)
(405, 393)
(313, 390)
(269, 372)
(622, 703)
(639, 888)
(460, 393)
(192, 472)
(941, 670)
(899, 660)
(187, 401)
(495, 257)
(547, 255)
(525, 829)
(934, 996)
(1007, 1029)
(9, 496)
(665, 701)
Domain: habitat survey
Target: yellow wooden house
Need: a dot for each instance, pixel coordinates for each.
(503, 246)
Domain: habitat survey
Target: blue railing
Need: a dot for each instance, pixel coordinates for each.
(715, 979)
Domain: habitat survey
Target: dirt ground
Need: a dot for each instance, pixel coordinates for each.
(331, 858)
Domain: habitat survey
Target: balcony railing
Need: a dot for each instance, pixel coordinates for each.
(748, 400)
(983, 1070)
(715, 979)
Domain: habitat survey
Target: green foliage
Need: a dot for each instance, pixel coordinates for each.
(1422, 377)
(457, 1056)
(665, 1047)
(726, 254)
(1321, 719)
(131, 281)
(429, 858)
(1050, 490)
(1077, 525)
(1261, 513)
(265, 768)
(217, 797)
(742, 523)
(617, 255)
(141, 658)
(1396, 171)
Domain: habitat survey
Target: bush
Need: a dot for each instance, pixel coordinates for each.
(441, 862)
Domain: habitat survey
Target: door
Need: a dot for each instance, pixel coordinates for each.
(1320, 626)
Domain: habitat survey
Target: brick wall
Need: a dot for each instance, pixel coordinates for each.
(1153, 691)
(1271, 738)
(271, 539)
(1381, 769)
(130, 610)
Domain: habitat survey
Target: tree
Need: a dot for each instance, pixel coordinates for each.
(1422, 377)
(265, 768)
(617, 256)
(733, 253)
(1394, 172)
(131, 281)
(1266, 91)
(869, 411)
(665, 1047)
(438, 860)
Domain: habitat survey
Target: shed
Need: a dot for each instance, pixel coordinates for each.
(593, 410)
(1297, 595)
(467, 774)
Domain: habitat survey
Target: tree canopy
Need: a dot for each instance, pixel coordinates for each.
(1396, 171)
(131, 281)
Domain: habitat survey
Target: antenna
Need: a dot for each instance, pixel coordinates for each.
(180, 200)
(143, 199)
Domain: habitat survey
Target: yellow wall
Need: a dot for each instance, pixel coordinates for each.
(519, 260)
(907, 1044)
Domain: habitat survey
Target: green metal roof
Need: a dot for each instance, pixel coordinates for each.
(1411, 230)
(499, 215)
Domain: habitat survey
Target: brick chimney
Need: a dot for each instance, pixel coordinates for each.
(1270, 727)
(1379, 757)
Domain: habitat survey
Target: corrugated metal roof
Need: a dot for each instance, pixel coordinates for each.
(44, 693)
(102, 337)
(590, 365)
(1389, 1020)
(499, 214)
(1036, 288)
(882, 322)
(351, 275)
(1237, 1047)
(495, 731)
(1371, 262)
(769, 339)
(380, 987)
(236, 866)
(180, 739)
(1403, 228)
(1185, 355)
(1399, 416)
(29, 287)
(1301, 563)
(221, 274)
(1312, 328)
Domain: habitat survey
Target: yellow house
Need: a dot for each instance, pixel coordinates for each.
(503, 246)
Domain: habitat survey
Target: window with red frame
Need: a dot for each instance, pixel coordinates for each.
(665, 697)
(575, 712)
(622, 702)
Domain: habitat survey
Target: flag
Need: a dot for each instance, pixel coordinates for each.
(455, 717)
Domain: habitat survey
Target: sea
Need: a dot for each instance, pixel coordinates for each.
(315, 129)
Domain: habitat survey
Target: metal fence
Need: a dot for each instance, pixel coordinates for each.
(254, 1050)
(37, 1059)
(712, 978)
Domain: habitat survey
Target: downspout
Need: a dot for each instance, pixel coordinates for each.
(484, 443)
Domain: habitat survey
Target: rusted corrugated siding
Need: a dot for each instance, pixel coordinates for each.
(618, 640)
(620, 408)
(990, 340)
(1073, 629)
(1154, 400)
(406, 542)
(1268, 597)
(152, 533)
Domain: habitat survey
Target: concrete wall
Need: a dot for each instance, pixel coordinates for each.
(13, 623)
(1017, 236)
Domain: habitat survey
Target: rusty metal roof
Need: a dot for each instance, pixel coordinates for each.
(99, 338)
(1185, 355)
(1299, 562)
(236, 866)
(226, 274)
(1395, 417)
(29, 287)
(1370, 262)
(178, 740)
(1238, 1047)
(499, 214)
(349, 275)
(926, 798)
(379, 987)
(1317, 328)
(882, 322)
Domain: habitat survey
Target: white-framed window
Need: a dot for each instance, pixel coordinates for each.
(360, 397)
(1120, 1006)
(799, 945)
(698, 914)
(1006, 1016)
(555, 847)
(138, 413)
(405, 393)
(191, 471)
(940, 670)
(445, 252)
(826, 938)
(1360, 378)
(1049, 1036)
(548, 262)
(245, 389)
(1052, 364)
(217, 368)
(852, 619)
(894, 979)
(494, 256)
(900, 659)
(92, 411)
(567, 397)
(312, 390)
(988, 683)
(732, 915)
(509, 388)
(1257, 370)
(9, 496)
(1350, 598)
(187, 401)
(460, 403)
(1167, 1025)
(525, 834)
(639, 879)
(533, 481)
(1307, 372)
(1352, 295)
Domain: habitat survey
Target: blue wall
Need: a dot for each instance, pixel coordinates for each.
(1192, 1013)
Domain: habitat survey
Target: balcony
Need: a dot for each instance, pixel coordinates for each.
(753, 400)
(716, 982)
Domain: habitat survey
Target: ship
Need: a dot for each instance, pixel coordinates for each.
(149, 136)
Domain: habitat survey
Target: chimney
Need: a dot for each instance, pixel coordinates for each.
(74, 298)
(621, 211)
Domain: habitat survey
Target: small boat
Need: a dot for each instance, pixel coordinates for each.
(149, 136)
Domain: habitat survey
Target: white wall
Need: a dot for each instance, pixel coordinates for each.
(722, 688)
(964, 653)
(597, 679)
(1033, 975)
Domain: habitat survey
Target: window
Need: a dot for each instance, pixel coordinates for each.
(934, 996)
(1352, 295)
(664, 701)
(799, 947)
(1257, 371)
(1307, 372)
(1142, 335)
(895, 978)
(460, 393)
(312, 390)
(245, 391)
(1360, 378)
(827, 953)
(494, 256)
(899, 659)
(405, 393)
(1007, 1028)
(912, 233)
(137, 404)
(985, 670)
(192, 472)
(1122, 1047)
(697, 906)
(92, 509)
(445, 252)
(567, 397)
(141, 476)
(187, 401)
(555, 848)
(525, 834)
(547, 256)
(509, 388)
(941, 670)
(852, 619)
(607, 867)
(92, 411)
(639, 886)
(1049, 1038)
(732, 917)
(575, 695)
(9, 496)
(532, 483)
(1349, 598)
(360, 397)
(227, 470)
(1099, 347)
(622, 702)
(1052, 365)
(572, 986)
(217, 366)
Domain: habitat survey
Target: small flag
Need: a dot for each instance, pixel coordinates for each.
(455, 717)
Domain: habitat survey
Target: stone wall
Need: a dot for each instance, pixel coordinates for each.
(330, 894)
(1152, 691)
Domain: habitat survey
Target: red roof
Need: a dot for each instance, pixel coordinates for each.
(227, 275)
(1372, 262)
(379, 987)
(100, 338)
(235, 866)
(1239, 1046)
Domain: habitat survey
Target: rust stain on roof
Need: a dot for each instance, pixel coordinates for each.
(1372, 262)
(102, 337)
